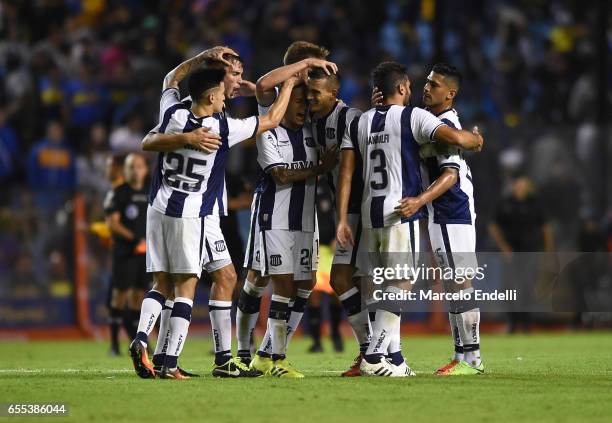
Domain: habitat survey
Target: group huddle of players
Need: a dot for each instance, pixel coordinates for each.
(387, 168)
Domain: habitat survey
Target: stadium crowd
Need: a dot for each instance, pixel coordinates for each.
(80, 80)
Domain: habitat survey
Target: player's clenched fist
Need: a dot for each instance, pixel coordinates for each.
(476, 132)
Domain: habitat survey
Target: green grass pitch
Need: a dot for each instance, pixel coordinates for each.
(551, 377)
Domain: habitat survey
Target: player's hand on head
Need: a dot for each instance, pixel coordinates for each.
(217, 53)
(302, 76)
(203, 139)
(328, 67)
(408, 206)
(377, 97)
(344, 235)
(330, 158)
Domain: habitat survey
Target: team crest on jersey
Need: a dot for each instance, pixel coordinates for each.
(309, 141)
(330, 133)
(220, 246)
(275, 260)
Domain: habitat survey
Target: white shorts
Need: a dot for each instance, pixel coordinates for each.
(216, 253)
(287, 252)
(252, 257)
(174, 245)
(392, 246)
(454, 245)
(349, 255)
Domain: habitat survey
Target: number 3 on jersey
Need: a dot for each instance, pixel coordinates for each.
(180, 169)
(381, 168)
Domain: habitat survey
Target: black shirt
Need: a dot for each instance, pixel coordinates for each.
(521, 223)
(132, 207)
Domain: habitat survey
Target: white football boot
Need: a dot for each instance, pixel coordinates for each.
(384, 368)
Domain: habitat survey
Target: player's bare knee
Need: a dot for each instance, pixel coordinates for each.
(184, 285)
(283, 285)
(307, 284)
(163, 284)
(257, 279)
(226, 276)
(341, 278)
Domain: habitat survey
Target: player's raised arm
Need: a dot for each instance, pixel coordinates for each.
(265, 87)
(461, 138)
(274, 116)
(179, 73)
(200, 138)
(410, 205)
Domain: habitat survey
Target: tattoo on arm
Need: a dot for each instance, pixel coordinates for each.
(283, 175)
(179, 73)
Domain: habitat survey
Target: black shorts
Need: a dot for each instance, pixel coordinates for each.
(130, 272)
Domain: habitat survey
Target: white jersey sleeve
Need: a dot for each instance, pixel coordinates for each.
(241, 129)
(423, 125)
(449, 161)
(170, 97)
(347, 142)
(446, 155)
(268, 154)
(262, 109)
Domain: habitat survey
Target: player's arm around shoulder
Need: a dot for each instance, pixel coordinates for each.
(201, 139)
(428, 127)
(465, 139)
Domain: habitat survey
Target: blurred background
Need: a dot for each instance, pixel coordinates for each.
(80, 83)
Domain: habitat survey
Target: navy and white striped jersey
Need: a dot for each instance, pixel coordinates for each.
(188, 182)
(331, 130)
(455, 206)
(388, 140)
(290, 206)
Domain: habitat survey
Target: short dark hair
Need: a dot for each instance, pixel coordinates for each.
(387, 75)
(318, 73)
(300, 50)
(449, 72)
(202, 80)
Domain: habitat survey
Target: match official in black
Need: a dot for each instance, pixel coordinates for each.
(126, 215)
